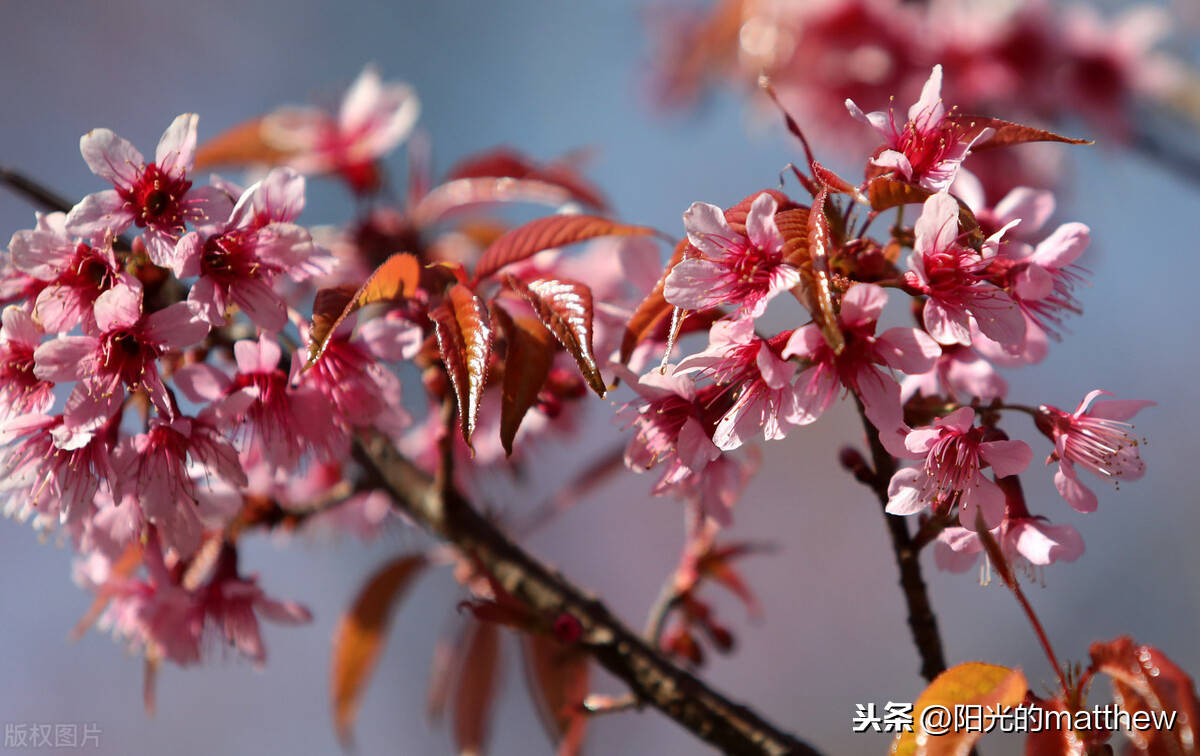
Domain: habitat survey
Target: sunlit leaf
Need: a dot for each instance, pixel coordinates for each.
(359, 638)
(464, 334)
(1145, 680)
(885, 192)
(460, 194)
(558, 678)
(816, 277)
(527, 360)
(970, 684)
(565, 307)
(397, 278)
(547, 233)
(1004, 133)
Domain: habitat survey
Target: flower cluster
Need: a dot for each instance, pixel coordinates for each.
(988, 287)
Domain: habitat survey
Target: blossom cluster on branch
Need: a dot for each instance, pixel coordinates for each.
(184, 365)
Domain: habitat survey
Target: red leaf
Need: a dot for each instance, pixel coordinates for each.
(652, 311)
(793, 225)
(238, 146)
(546, 233)
(476, 688)
(359, 638)
(1051, 740)
(886, 192)
(397, 278)
(558, 679)
(565, 307)
(1006, 133)
(507, 162)
(831, 180)
(736, 215)
(1145, 680)
(816, 278)
(462, 193)
(527, 360)
(464, 335)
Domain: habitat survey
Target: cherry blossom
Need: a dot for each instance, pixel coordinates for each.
(744, 272)
(157, 197)
(123, 354)
(238, 262)
(951, 276)
(955, 452)
(373, 119)
(927, 150)
(21, 391)
(1097, 438)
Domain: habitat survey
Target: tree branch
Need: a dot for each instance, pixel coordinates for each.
(920, 613)
(653, 679)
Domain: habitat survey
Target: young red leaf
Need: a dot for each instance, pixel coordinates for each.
(970, 684)
(565, 307)
(558, 679)
(462, 193)
(359, 638)
(1145, 680)
(397, 278)
(505, 162)
(885, 192)
(240, 145)
(736, 215)
(1051, 740)
(546, 233)
(816, 277)
(1004, 133)
(652, 311)
(464, 335)
(476, 688)
(527, 360)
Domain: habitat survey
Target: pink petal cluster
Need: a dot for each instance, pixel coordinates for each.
(1097, 438)
(740, 271)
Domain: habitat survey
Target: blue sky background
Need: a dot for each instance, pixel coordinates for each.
(547, 78)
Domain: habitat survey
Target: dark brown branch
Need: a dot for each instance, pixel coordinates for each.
(920, 613)
(35, 193)
(652, 678)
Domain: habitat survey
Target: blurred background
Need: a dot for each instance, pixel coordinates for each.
(547, 78)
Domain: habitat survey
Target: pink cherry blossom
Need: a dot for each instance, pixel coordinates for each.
(954, 452)
(282, 424)
(122, 354)
(858, 367)
(1031, 541)
(960, 373)
(744, 272)
(951, 276)
(21, 391)
(154, 474)
(238, 262)
(927, 150)
(768, 398)
(374, 118)
(157, 197)
(1099, 439)
(350, 373)
(75, 272)
(1042, 278)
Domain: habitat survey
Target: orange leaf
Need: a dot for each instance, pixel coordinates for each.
(527, 360)
(397, 278)
(886, 192)
(970, 684)
(558, 679)
(1145, 680)
(359, 638)
(476, 688)
(547, 233)
(464, 335)
(1005, 133)
(238, 146)
(459, 194)
(565, 307)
